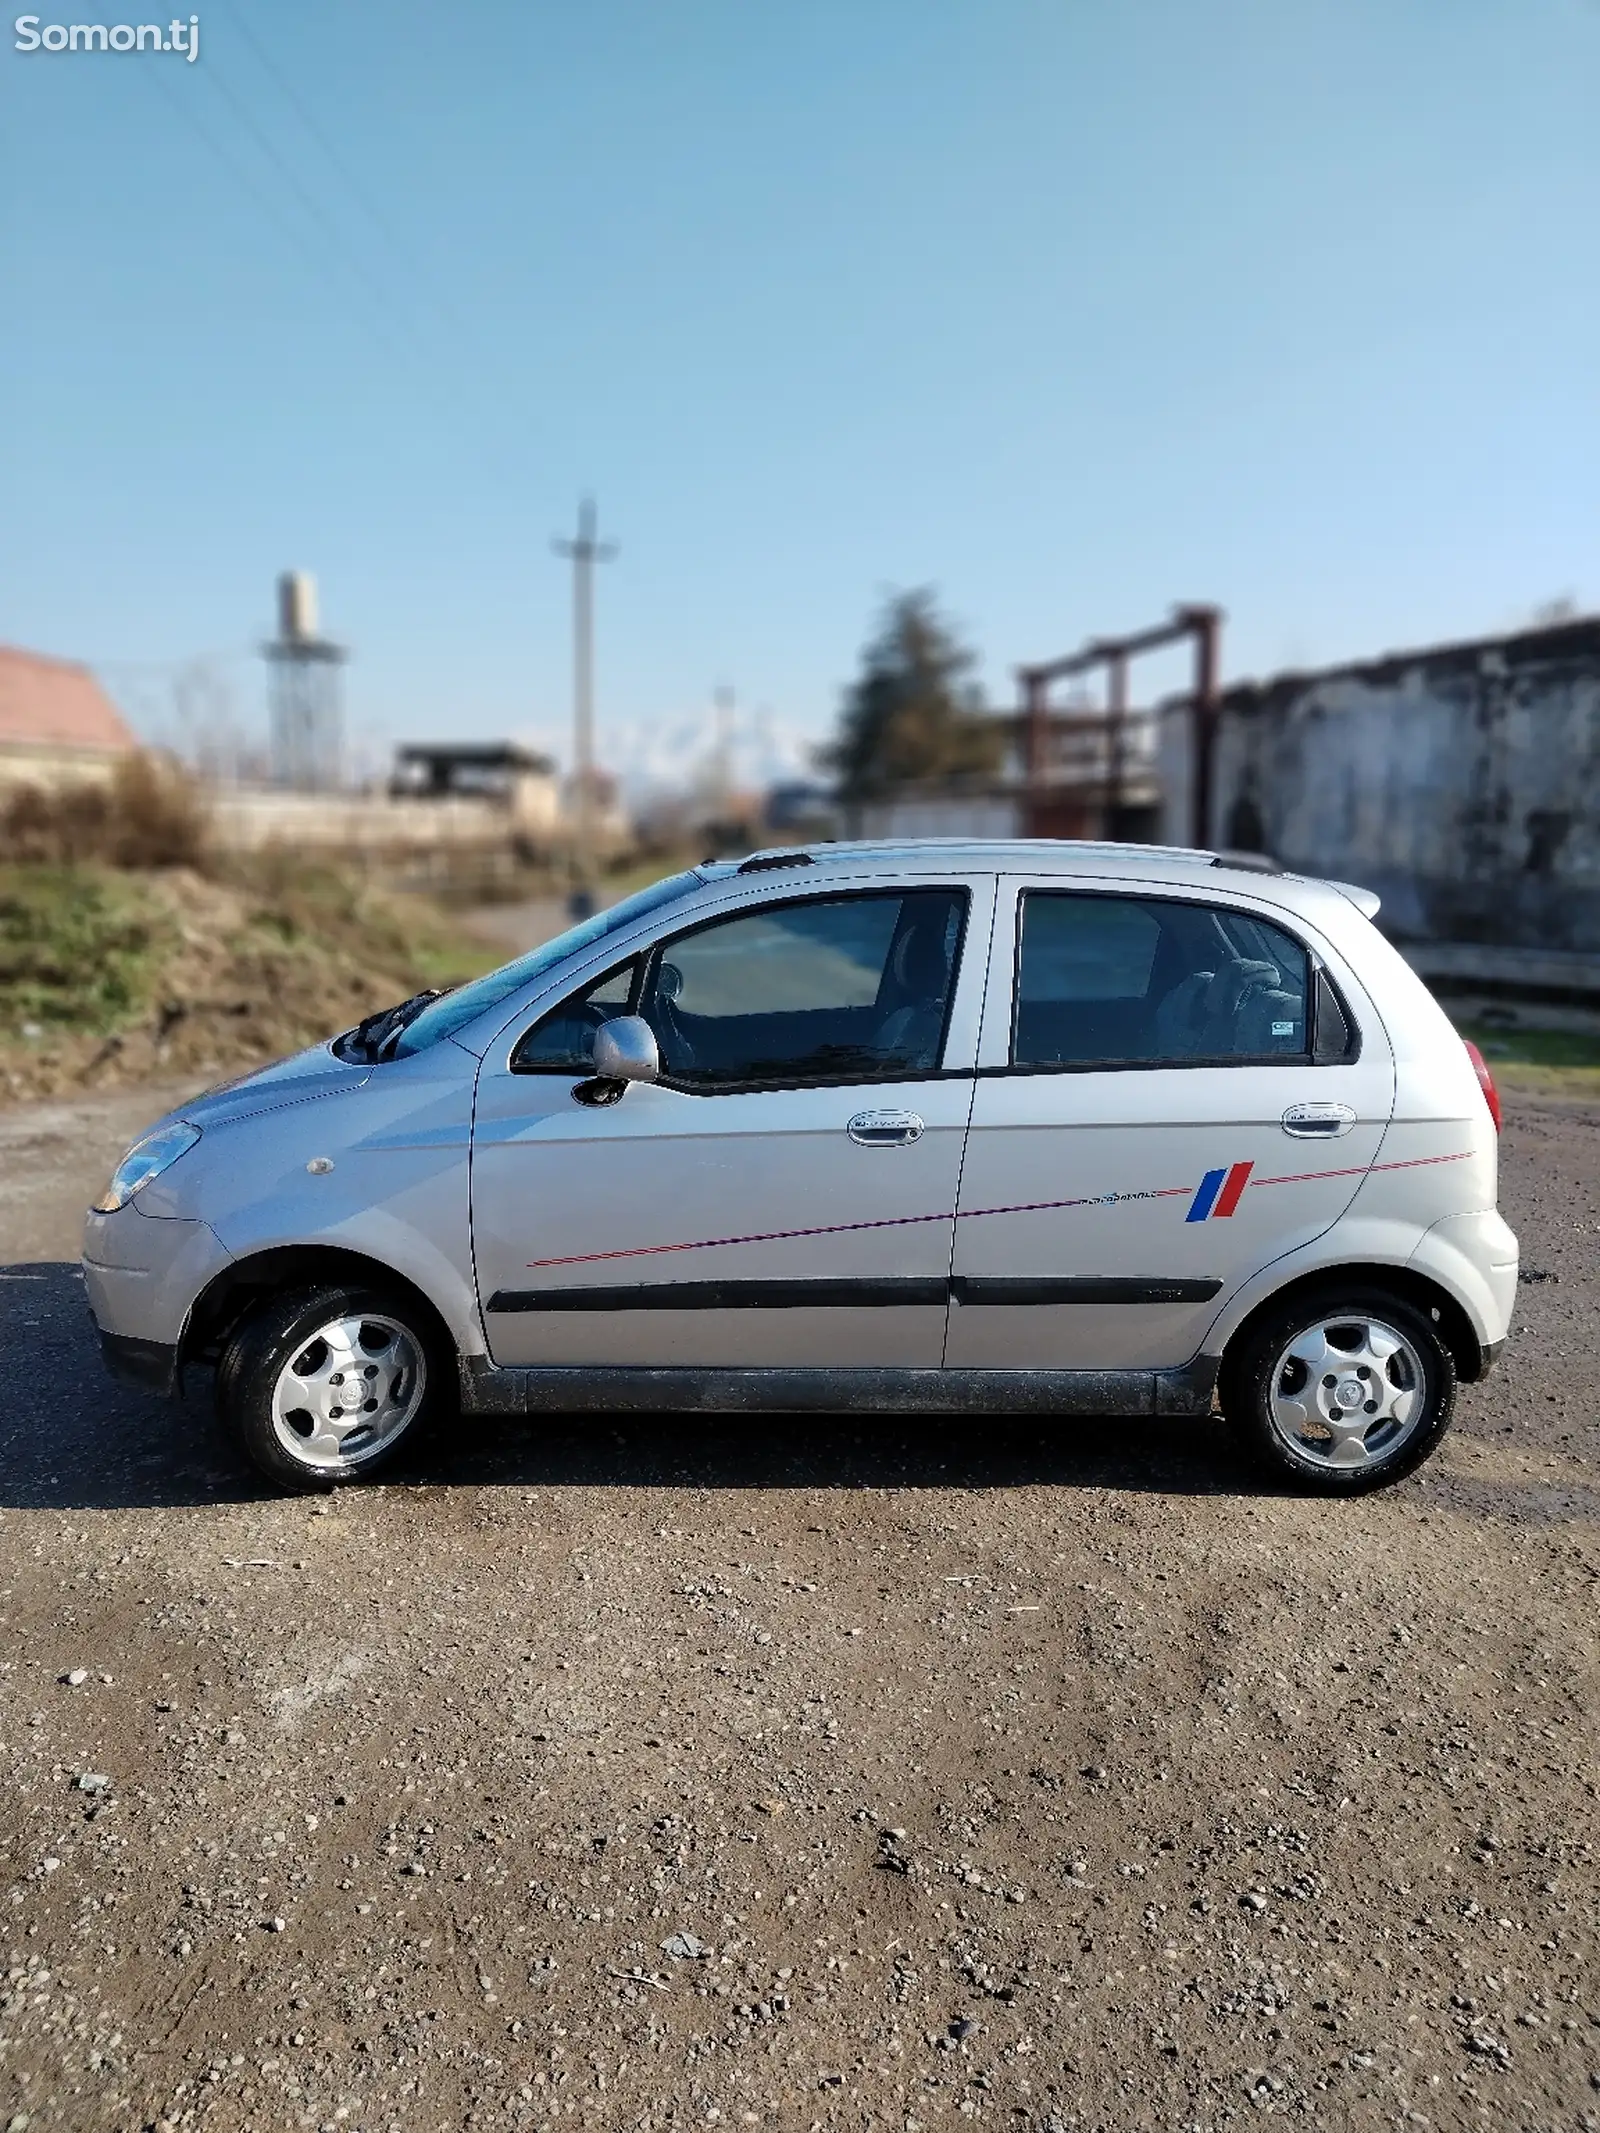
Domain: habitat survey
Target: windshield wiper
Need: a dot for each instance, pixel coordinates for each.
(374, 1036)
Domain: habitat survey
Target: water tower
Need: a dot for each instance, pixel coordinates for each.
(306, 700)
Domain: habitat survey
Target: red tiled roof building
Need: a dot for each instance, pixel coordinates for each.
(56, 722)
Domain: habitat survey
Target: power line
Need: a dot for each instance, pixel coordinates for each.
(307, 199)
(392, 333)
(216, 657)
(417, 322)
(291, 97)
(427, 317)
(202, 132)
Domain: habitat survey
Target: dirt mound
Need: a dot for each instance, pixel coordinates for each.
(108, 978)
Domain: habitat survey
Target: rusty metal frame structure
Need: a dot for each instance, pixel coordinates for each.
(1200, 624)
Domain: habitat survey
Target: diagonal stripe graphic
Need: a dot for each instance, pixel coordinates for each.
(767, 1236)
(1365, 1170)
(1215, 1183)
(1232, 1191)
(1205, 1198)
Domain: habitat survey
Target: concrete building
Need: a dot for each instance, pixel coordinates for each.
(1068, 772)
(446, 796)
(987, 810)
(1461, 782)
(517, 782)
(57, 725)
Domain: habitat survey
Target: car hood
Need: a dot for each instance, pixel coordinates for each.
(299, 1079)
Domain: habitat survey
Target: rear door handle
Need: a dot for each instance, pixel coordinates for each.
(885, 1129)
(1318, 1122)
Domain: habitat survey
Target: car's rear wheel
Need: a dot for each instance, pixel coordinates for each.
(321, 1387)
(1341, 1390)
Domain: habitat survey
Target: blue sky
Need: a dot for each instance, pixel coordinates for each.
(1071, 310)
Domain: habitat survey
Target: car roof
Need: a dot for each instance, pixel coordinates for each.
(1032, 855)
(1174, 865)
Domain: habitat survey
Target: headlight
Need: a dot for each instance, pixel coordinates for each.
(145, 1160)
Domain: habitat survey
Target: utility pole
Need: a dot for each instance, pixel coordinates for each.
(1113, 822)
(723, 699)
(1206, 625)
(583, 554)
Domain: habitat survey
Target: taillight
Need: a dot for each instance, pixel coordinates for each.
(1480, 1067)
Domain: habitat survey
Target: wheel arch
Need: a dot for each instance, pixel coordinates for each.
(1447, 1313)
(236, 1289)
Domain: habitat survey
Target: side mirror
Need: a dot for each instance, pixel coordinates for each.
(625, 1050)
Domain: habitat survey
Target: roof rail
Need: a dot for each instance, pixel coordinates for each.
(1247, 862)
(769, 862)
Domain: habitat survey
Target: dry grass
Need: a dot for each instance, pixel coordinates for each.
(111, 976)
(149, 814)
(1539, 1062)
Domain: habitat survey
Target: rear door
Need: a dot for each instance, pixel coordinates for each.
(785, 1194)
(1173, 1091)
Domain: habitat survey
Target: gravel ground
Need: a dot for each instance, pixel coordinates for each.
(815, 1775)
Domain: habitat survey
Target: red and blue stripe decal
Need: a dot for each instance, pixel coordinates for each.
(1219, 1192)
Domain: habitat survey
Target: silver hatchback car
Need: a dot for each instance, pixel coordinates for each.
(1044, 1128)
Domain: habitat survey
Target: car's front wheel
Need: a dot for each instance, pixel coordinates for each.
(1340, 1390)
(321, 1386)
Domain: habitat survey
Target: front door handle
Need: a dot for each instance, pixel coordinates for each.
(1318, 1122)
(885, 1129)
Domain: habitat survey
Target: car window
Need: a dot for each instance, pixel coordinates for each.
(1088, 948)
(1123, 980)
(845, 988)
(454, 1010)
(562, 1041)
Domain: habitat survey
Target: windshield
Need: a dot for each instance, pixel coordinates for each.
(454, 1010)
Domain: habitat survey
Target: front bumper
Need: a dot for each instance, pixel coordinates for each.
(141, 1275)
(151, 1365)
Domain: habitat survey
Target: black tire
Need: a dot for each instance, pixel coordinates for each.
(1247, 1389)
(408, 1377)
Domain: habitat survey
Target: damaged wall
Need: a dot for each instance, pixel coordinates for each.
(1462, 783)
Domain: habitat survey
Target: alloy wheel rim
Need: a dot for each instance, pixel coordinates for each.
(348, 1391)
(1347, 1392)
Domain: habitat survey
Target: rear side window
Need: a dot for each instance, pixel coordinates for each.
(1138, 981)
(831, 989)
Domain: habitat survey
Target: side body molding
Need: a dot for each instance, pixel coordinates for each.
(565, 1388)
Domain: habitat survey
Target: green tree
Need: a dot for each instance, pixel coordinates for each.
(915, 715)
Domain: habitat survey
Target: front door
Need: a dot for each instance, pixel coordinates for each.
(785, 1194)
(1175, 1096)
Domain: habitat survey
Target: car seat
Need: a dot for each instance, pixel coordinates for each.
(919, 973)
(1217, 1014)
